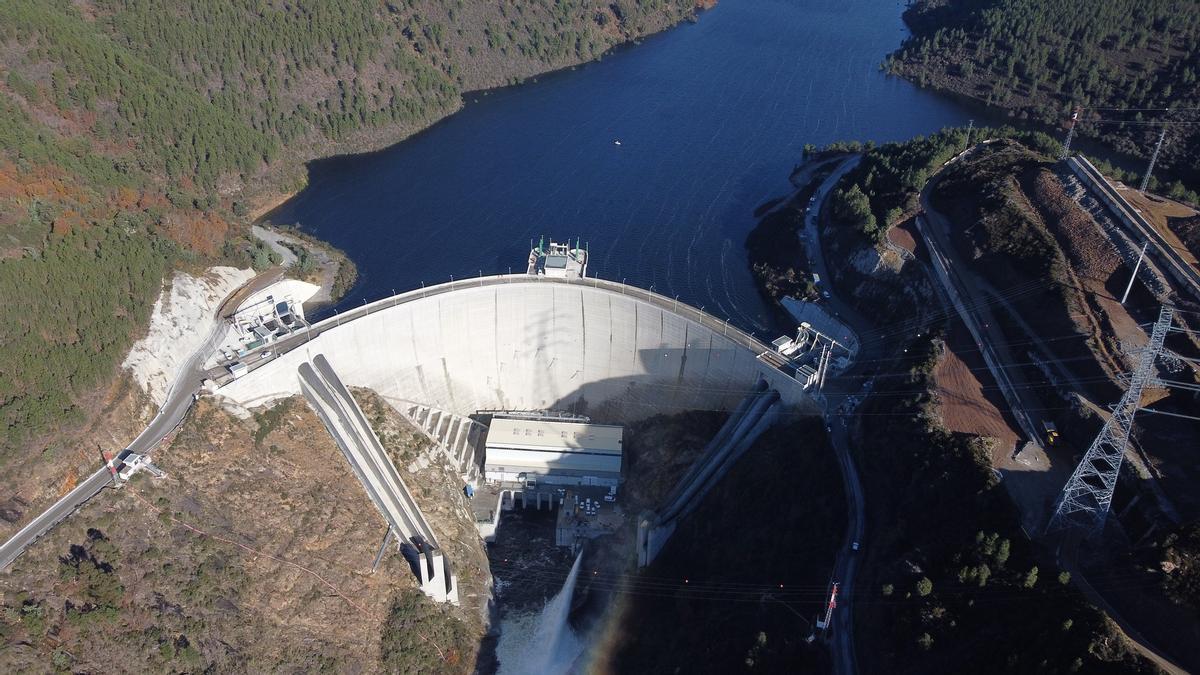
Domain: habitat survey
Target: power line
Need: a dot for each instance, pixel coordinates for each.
(1088, 494)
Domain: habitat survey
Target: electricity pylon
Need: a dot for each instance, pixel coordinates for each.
(1066, 151)
(1088, 494)
(1153, 158)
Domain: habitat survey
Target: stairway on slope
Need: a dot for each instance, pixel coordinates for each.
(458, 440)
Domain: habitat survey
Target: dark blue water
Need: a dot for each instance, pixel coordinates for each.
(711, 116)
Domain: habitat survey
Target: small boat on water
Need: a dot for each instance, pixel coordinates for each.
(616, 142)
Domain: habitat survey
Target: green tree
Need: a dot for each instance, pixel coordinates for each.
(1002, 552)
(924, 587)
(1031, 577)
(982, 573)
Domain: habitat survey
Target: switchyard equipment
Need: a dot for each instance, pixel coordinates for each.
(808, 354)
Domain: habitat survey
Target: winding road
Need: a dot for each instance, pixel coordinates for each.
(846, 564)
(179, 401)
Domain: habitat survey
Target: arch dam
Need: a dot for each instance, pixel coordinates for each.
(521, 342)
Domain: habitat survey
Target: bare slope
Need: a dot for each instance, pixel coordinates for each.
(254, 555)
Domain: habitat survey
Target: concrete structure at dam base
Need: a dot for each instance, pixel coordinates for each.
(612, 352)
(754, 415)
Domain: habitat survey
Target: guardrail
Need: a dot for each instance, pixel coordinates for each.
(724, 327)
(1180, 269)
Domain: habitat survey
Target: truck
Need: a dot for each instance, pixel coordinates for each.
(238, 369)
(1051, 432)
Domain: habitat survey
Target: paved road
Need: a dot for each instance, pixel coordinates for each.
(276, 242)
(845, 658)
(816, 256)
(169, 417)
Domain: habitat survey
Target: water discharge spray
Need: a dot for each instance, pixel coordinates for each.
(542, 643)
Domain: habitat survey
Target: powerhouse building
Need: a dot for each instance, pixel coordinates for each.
(532, 451)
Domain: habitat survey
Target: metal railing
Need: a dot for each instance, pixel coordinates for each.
(673, 305)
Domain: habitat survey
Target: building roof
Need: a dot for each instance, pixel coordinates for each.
(568, 436)
(550, 462)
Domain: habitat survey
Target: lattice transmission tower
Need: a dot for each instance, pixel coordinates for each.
(1088, 494)
(1066, 151)
(1162, 136)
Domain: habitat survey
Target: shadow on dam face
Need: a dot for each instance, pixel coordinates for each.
(597, 348)
(632, 398)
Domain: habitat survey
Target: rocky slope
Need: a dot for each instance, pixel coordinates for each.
(254, 554)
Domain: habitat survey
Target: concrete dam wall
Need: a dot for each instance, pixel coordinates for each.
(518, 342)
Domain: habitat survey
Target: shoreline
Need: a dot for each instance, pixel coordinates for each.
(270, 202)
(327, 266)
(271, 198)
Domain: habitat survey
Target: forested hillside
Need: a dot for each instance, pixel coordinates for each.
(136, 135)
(1040, 59)
(956, 586)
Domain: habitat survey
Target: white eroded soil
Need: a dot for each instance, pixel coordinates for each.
(183, 317)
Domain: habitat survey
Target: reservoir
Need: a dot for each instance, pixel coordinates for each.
(710, 117)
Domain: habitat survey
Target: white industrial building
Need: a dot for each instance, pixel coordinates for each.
(533, 451)
(558, 261)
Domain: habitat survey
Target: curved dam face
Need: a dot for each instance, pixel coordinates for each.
(530, 343)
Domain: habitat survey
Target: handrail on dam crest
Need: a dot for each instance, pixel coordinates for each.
(672, 305)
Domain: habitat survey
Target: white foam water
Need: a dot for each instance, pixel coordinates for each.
(541, 643)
